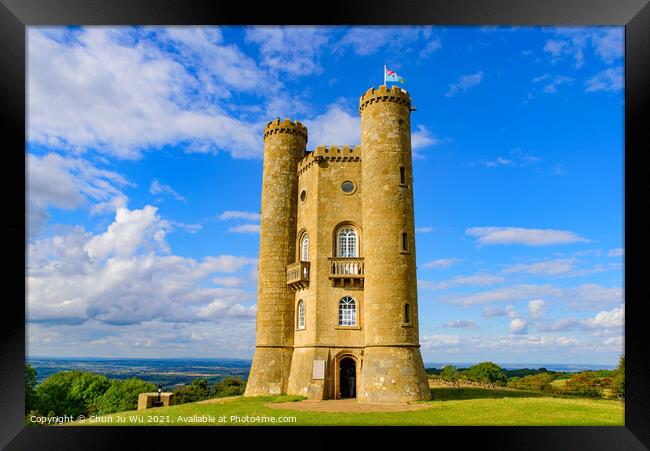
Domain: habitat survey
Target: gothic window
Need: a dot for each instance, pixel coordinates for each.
(347, 312)
(304, 248)
(301, 314)
(347, 243)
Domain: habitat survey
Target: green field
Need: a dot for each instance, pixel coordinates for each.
(450, 406)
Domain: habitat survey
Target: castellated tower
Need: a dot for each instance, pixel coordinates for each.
(337, 306)
(393, 368)
(284, 146)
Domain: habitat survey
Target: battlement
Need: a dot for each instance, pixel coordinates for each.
(285, 126)
(383, 94)
(344, 153)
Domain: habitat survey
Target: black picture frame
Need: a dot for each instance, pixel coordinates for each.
(16, 15)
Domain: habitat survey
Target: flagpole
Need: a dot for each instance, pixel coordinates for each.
(384, 74)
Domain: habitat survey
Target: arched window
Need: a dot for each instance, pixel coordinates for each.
(347, 312)
(347, 243)
(301, 314)
(304, 248)
(407, 313)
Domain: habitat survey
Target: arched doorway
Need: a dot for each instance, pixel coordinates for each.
(348, 378)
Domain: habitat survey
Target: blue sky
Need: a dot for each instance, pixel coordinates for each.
(144, 174)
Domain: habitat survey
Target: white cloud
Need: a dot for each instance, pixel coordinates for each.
(218, 65)
(608, 44)
(511, 312)
(441, 263)
(370, 39)
(131, 230)
(617, 252)
(334, 127)
(591, 295)
(237, 214)
(499, 161)
(607, 319)
(544, 268)
(512, 293)
(461, 324)
(430, 48)
(491, 312)
(517, 158)
(519, 235)
(117, 277)
(464, 82)
(561, 325)
(581, 297)
(518, 326)
(158, 188)
(536, 308)
(421, 139)
(69, 183)
(563, 267)
(246, 228)
(424, 229)
(289, 49)
(437, 341)
(478, 279)
(607, 80)
(572, 44)
(103, 89)
(552, 82)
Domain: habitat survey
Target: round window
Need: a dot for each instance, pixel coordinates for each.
(347, 187)
(303, 195)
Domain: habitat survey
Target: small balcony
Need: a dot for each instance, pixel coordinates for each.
(298, 275)
(348, 270)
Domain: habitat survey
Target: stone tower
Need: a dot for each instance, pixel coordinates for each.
(284, 146)
(337, 307)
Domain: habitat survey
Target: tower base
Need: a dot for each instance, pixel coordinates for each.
(269, 373)
(393, 375)
(301, 380)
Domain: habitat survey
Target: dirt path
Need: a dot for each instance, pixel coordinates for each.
(346, 405)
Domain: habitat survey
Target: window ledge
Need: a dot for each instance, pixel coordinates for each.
(348, 328)
(407, 324)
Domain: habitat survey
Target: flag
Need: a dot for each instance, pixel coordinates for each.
(390, 75)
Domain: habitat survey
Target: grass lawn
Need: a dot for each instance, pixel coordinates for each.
(449, 407)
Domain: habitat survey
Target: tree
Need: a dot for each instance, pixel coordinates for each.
(487, 373)
(618, 379)
(89, 388)
(534, 382)
(123, 395)
(31, 398)
(449, 373)
(197, 391)
(54, 395)
(584, 384)
(71, 393)
(230, 386)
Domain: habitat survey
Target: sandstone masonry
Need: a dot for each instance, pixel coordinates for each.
(337, 297)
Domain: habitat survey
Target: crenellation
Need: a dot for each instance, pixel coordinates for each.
(382, 94)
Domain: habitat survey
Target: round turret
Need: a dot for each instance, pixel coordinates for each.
(286, 126)
(284, 146)
(390, 288)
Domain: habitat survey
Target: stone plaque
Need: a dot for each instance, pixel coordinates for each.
(319, 369)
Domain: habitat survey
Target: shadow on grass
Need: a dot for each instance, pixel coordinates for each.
(453, 394)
